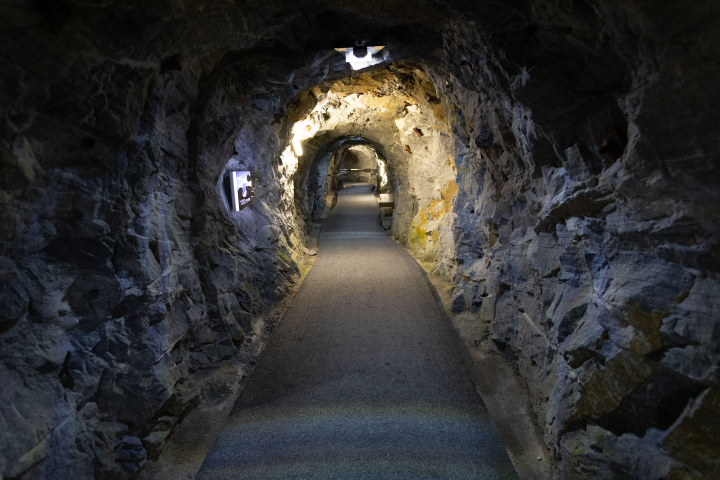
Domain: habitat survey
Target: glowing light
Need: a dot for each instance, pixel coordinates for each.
(368, 56)
(296, 146)
(302, 131)
(290, 161)
(382, 172)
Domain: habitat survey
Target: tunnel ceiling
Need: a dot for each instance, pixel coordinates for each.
(565, 186)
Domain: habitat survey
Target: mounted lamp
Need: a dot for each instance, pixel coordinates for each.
(361, 57)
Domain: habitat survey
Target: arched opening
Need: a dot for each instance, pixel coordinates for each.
(394, 110)
(358, 164)
(553, 166)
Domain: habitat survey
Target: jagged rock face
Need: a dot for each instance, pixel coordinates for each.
(130, 286)
(565, 179)
(581, 249)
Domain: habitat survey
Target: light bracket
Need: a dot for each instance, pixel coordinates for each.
(362, 57)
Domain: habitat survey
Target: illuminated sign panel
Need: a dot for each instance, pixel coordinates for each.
(242, 188)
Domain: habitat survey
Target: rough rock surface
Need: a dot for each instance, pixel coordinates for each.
(584, 236)
(569, 191)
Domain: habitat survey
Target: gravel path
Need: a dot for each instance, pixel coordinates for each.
(361, 379)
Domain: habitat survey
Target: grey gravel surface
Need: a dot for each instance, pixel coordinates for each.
(361, 379)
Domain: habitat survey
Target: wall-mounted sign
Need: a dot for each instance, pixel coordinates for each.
(242, 187)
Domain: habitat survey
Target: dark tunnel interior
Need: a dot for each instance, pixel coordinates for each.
(552, 165)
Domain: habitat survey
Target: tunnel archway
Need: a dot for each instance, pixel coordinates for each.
(358, 165)
(396, 109)
(316, 185)
(572, 212)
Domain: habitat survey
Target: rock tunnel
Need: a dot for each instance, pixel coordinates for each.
(554, 169)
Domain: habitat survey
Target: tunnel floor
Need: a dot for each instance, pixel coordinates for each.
(361, 379)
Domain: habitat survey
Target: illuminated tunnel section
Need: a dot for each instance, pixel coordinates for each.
(316, 184)
(551, 166)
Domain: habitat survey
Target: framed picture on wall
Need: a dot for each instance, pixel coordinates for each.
(241, 188)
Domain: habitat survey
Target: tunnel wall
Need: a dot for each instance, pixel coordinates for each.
(131, 295)
(585, 229)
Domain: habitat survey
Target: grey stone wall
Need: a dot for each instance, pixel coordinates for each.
(572, 185)
(129, 291)
(586, 228)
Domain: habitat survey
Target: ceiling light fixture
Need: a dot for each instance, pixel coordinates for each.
(362, 57)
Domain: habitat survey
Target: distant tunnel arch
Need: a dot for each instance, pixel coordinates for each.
(315, 185)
